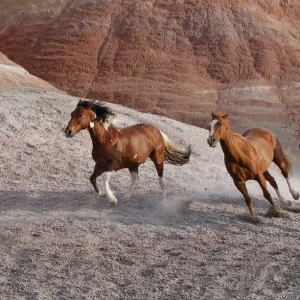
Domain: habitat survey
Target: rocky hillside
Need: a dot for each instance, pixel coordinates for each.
(178, 58)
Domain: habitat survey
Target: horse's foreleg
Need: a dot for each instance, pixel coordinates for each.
(134, 180)
(241, 186)
(111, 197)
(98, 170)
(260, 178)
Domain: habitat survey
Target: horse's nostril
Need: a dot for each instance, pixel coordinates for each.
(68, 132)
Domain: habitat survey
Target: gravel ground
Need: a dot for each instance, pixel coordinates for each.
(59, 240)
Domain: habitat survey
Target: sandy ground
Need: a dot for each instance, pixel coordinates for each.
(59, 240)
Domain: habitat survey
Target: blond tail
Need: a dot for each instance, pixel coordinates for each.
(174, 155)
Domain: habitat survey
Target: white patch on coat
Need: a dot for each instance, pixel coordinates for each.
(135, 156)
(91, 125)
(108, 121)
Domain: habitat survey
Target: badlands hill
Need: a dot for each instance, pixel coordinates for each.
(13, 75)
(177, 58)
(59, 240)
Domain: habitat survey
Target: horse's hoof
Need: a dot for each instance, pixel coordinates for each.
(102, 194)
(113, 202)
(277, 212)
(296, 195)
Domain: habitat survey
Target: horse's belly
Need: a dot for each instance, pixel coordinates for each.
(237, 172)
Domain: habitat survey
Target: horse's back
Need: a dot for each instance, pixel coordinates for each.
(260, 136)
(142, 129)
(263, 141)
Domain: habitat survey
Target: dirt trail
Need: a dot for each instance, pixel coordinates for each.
(59, 240)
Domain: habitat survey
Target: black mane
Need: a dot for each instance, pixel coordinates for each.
(102, 111)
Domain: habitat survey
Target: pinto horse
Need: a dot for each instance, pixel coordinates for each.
(248, 157)
(118, 148)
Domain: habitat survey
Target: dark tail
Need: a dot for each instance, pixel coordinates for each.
(174, 155)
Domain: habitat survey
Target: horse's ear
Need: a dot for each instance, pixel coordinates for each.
(213, 115)
(225, 116)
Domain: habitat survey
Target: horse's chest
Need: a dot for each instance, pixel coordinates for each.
(99, 155)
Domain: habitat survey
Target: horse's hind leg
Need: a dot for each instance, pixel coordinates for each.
(241, 186)
(98, 170)
(158, 160)
(260, 178)
(284, 164)
(134, 180)
(273, 183)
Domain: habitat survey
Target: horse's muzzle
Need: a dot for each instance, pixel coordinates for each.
(69, 133)
(212, 142)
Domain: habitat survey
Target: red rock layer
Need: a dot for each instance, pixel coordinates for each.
(179, 58)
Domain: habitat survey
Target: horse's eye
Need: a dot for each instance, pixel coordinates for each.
(81, 116)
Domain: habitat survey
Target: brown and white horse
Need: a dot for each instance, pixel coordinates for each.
(118, 148)
(249, 156)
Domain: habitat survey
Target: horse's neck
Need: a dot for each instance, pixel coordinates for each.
(235, 146)
(99, 134)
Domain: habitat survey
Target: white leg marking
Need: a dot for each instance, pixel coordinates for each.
(162, 183)
(134, 180)
(294, 193)
(282, 200)
(111, 197)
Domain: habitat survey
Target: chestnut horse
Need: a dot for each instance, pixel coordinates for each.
(249, 156)
(118, 148)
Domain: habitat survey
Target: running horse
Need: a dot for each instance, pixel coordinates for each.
(248, 157)
(118, 148)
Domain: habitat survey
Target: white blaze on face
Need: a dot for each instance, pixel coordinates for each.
(212, 127)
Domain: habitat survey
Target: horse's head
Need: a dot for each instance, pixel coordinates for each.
(85, 114)
(217, 129)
